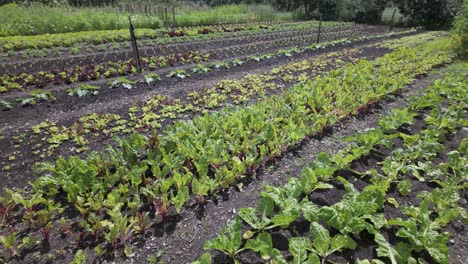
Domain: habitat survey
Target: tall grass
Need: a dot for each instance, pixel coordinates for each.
(39, 19)
(229, 14)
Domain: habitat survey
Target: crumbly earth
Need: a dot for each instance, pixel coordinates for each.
(180, 239)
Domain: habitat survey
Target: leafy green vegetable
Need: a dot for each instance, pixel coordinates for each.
(324, 245)
(229, 241)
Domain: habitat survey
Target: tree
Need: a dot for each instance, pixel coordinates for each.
(460, 32)
(430, 14)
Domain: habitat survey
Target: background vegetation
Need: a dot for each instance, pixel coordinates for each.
(59, 16)
(460, 32)
(43, 19)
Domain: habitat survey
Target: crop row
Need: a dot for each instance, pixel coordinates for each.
(363, 213)
(105, 36)
(119, 68)
(219, 45)
(49, 138)
(90, 72)
(119, 193)
(157, 46)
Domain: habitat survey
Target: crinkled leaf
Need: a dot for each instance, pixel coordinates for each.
(321, 238)
(310, 211)
(249, 216)
(266, 206)
(299, 247)
(404, 187)
(283, 220)
(204, 259)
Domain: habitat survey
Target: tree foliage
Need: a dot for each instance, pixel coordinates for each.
(430, 14)
(460, 32)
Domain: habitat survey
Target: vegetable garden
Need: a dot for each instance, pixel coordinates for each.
(198, 158)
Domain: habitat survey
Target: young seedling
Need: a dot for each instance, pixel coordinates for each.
(200, 68)
(121, 82)
(178, 74)
(83, 90)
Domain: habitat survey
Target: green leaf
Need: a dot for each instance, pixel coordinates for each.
(263, 245)
(266, 206)
(181, 198)
(321, 239)
(229, 240)
(313, 259)
(393, 201)
(299, 247)
(404, 187)
(310, 211)
(204, 259)
(79, 258)
(283, 220)
(340, 242)
(249, 216)
(128, 251)
(384, 248)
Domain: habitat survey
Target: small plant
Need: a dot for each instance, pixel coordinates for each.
(150, 78)
(121, 82)
(9, 242)
(75, 50)
(237, 62)
(229, 241)
(36, 96)
(79, 258)
(200, 68)
(83, 89)
(220, 65)
(4, 105)
(179, 74)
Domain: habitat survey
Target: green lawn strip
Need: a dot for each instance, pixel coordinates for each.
(361, 212)
(194, 159)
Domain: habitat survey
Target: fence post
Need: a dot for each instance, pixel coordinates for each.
(319, 28)
(136, 55)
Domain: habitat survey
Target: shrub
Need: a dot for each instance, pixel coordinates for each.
(460, 32)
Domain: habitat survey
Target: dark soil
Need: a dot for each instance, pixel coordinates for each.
(18, 120)
(181, 237)
(216, 46)
(184, 243)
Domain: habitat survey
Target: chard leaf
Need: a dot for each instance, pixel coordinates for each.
(229, 240)
(266, 206)
(310, 211)
(263, 245)
(283, 220)
(321, 238)
(249, 216)
(313, 259)
(404, 187)
(366, 261)
(204, 259)
(393, 201)
(340, 242)
(384, 248)
(181, 198)
(299, 247)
